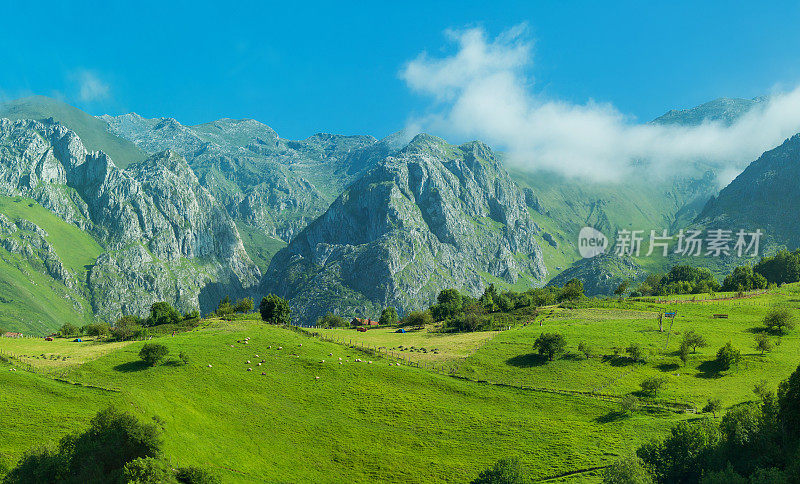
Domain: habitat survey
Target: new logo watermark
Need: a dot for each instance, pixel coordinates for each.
(591, 242)
(690, 242)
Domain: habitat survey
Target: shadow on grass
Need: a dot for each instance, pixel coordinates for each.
(668, 367)
(617, 360)
(132, 366)
(612, 416)
(527, 361)
(709, 369)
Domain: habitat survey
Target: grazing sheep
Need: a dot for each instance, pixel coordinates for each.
(340, 362)
(269, 347)
(263, 374)
(249, 369)
(330, 354)
(340, 359)
(259, 364)
(280, 347)
(370, 362)
(323, 361)
(316, 378)
(301, 344)
(256, 356)
(248, 362)
(209, 366)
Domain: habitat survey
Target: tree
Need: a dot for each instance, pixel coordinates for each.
(195, 475)
(585, 349)
(763, 343)
(683, 455)
(693, 340)
(97, 329)
(68, 329)
(635, 352)
(163, 313)
(465, 323)
(779, 320)
(789, 404)
(126, 328)
(224, 307)
(153, 353)
(727, 356)
(147, 470)
(244, 305)
(571, 291)
(653, 384)
(743, 278)
(504, 471)
(627, 470)
(683, 353)
(388, 316)
(275, 310)
(331, 320)
(99, 454)
(622, 288)
(448, 304)
(550, 345)
(418, 319)
(713, 406)
(629, 404)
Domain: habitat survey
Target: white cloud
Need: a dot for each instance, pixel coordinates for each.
(90, 87)
(483, 91)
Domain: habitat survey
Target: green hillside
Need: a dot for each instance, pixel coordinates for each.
(93, 132)
(475, 397)
(359, 422)
(33, 302)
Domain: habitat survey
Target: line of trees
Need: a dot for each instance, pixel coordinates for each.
(783, 267)
(463, 313)
(758, 442)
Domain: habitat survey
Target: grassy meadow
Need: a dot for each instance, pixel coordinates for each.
(297, 418)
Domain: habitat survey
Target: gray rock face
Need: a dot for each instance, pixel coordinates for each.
(764, 196)
(434, 216)
(275, 185)
(166, 236)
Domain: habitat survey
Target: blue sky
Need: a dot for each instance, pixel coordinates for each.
(335, 66)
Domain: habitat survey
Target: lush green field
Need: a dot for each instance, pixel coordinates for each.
(374, 422)
(359, 422)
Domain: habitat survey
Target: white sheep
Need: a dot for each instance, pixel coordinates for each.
(209, 366)
(316, 378)
(259, 364)
(280, 347)
(323, 361)
(249, 369)
(248, 362)
(340, 359)
(330, 354)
